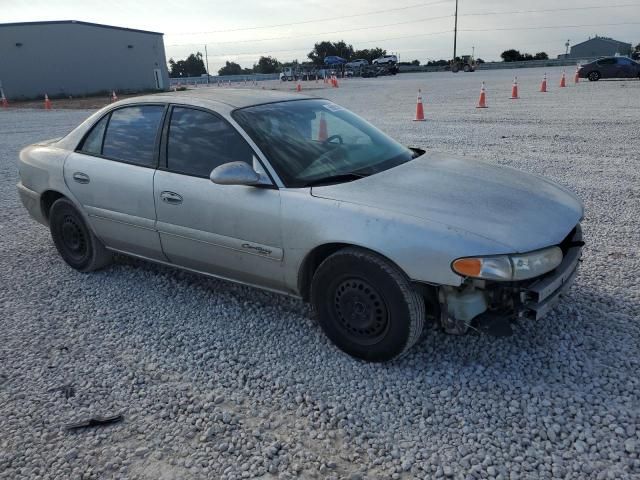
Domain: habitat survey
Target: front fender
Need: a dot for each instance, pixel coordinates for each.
(423, 250)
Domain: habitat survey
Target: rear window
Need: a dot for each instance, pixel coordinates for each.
(92, 144)
(132, 134)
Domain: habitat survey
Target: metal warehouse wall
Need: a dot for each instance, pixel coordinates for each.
(599, 48)
(78, 59)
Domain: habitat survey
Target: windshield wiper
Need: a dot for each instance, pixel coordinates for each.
(340, 178)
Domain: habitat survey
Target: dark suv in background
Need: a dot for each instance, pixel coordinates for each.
(610, 67)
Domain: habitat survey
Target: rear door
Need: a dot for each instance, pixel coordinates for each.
(111, 175)
(232, 231)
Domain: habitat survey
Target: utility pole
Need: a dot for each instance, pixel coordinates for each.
(455, 32)
(206, 56)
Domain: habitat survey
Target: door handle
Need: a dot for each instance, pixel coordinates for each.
(171, 197)
(81, 177)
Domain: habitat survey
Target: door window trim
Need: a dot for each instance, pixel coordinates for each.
(164, 143)
(156, 148)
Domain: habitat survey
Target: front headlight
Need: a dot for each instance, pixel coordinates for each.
(509, 267)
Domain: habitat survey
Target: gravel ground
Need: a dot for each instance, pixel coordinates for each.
(216, 380)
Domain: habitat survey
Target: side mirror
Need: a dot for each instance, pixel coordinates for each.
(235, 173)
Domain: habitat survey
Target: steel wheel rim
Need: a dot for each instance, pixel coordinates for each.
(74, 239)
(360, 311)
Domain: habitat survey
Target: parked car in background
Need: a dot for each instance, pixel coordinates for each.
(610, 67)
(359, 62)
(385, 59)
(299, 196)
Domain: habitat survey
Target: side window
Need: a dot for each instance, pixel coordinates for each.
(131, 134)
(92, 143)
(607, 61)
(199, 141)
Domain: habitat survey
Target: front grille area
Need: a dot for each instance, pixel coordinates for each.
(543, 294)
(534, 298)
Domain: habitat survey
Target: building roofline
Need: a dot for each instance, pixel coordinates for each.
(606, 39)
(77, 22)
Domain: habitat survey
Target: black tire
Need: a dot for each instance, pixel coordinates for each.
(366, 305)
(75, 242)
(594, 76)
(467, 68)
(455, 68)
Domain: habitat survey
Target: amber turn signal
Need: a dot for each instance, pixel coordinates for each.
(469, 267)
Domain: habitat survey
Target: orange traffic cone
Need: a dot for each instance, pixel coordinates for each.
(323, 134)
(563, 80)
(482, 101)
(419, 108)
(514, 89)
(576, 76)
(543, 85)
(298, 87)
(3, 99)
(47, 102)
(114, 97)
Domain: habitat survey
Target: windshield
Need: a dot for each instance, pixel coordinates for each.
(308, 141)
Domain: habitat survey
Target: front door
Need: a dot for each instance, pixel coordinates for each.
(111, 175)
(227, 230)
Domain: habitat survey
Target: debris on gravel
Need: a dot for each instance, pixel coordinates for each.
(221, 381)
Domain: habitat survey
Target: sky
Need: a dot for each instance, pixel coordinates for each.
(243, 30)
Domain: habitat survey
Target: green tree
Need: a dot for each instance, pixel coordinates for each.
(192, 66)
(326, 48)
(510, 55)
(541, 56)
(231, 68)
(369, 54)
(267, 65)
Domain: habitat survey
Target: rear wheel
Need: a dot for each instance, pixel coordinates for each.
(594, 76)
(75, 243)
(366, 305)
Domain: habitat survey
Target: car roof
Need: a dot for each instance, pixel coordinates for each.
(232, 97)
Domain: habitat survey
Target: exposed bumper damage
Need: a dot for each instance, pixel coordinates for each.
(491, 306)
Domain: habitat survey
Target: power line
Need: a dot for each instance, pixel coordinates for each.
(288, 37)
(441, 33)
(427, 19)
(565, 9)
(317, 20)
(549, 27)
(221, 55)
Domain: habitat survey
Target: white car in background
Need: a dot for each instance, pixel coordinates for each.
(385, 59)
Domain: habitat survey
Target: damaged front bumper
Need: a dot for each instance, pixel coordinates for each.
(540, 297)
(482, 304)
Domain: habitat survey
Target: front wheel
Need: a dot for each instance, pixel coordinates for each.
(76, 244)
(366, 305)
(594, 76)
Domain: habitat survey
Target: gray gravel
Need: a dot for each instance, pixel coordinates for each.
(221, 381)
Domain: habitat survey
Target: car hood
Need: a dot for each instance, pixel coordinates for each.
(521, 211)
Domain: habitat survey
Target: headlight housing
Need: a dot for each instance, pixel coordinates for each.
(509, 267)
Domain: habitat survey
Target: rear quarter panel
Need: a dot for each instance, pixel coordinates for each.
(41, 168)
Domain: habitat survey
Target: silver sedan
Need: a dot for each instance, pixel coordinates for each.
(299, 196)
